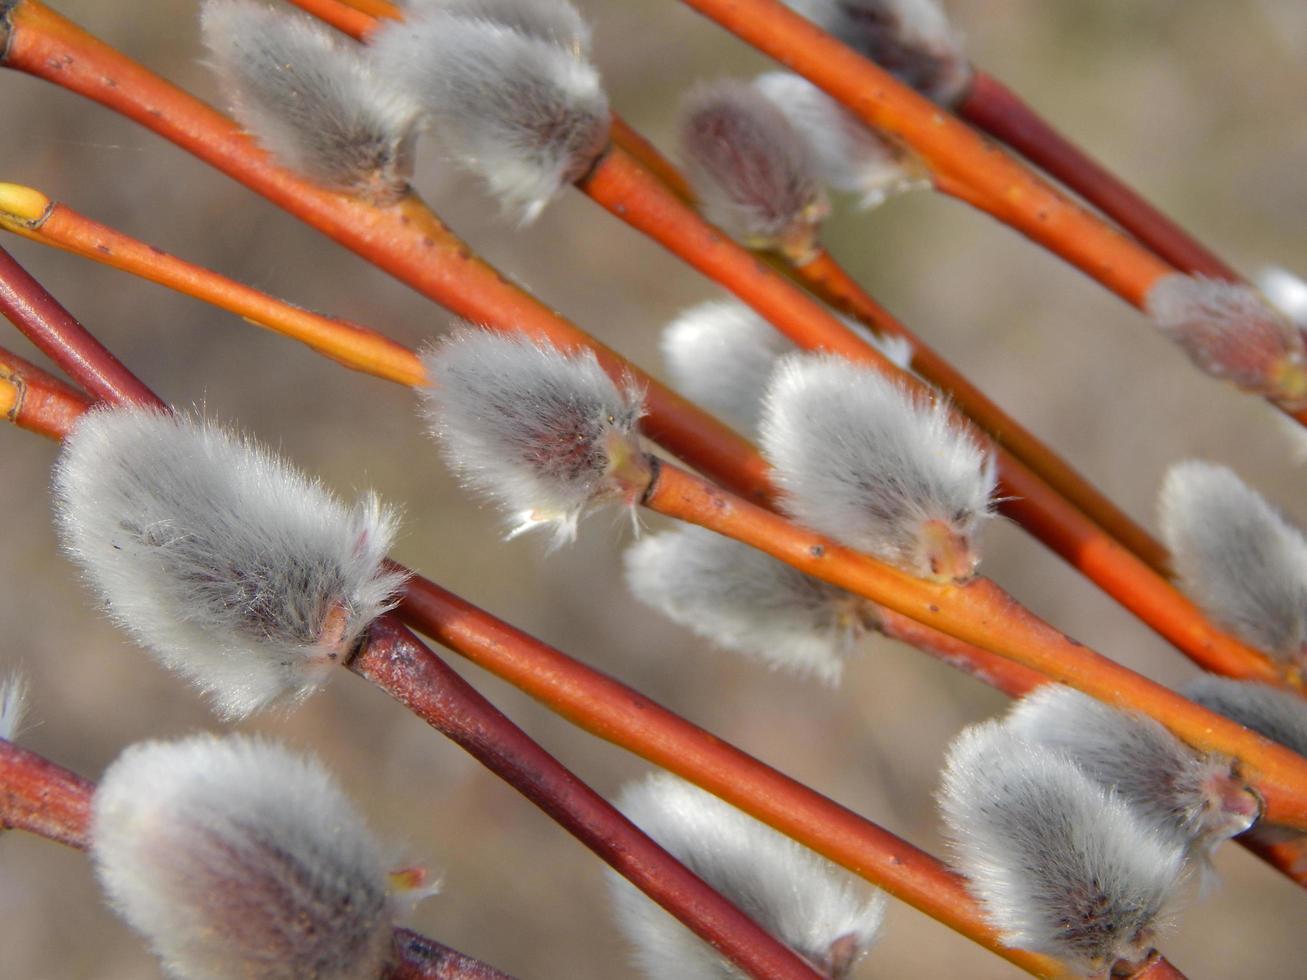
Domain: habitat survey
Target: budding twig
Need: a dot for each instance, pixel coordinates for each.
(45, 799)
(404, 239)
(603, 707)
(618, 183)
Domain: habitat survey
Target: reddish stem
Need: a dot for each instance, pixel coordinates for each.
(401, 665)
(421, 958)
(60, 337)
(996, 109)
(42, 798)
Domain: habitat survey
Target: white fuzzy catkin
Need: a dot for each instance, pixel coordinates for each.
(822, 912)
(1236, 556)
(312, 98)
(911, 39)
(524, 112)
(749, 602)
(1273, 713)
(1231, 332)
(847, 154)
(13, 705)
(233, 568)
(554, 21)
(236, 858)
(869, 463)
(1286, 292)
(1061, 865)
(721, 355)
(751, 170)
(543, 434)
(1194, 798)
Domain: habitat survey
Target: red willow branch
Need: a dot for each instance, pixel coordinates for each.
(27, 305)
(50, 801)
(398, 663)
(410, 243)
(994, 108)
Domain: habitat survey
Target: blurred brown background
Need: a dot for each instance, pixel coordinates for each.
(1199, 102)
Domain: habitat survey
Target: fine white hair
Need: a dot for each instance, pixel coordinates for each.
(1186, 794)
(554, 21)
(911, 39)
(13, 705)
(847, 154)
(751, 169)
(234, 569)
(236, 858)
(721, 354)
(312, 97)
(1273, 713)
(1286, 292)
(1231, 332)
(537, 431)
(820, 911)
(524, 112)
(1236, 556)
(1061, 865)
(749, 602)
(866, 461)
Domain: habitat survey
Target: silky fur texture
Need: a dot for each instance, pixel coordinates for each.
(236, 858)
(911, 39)
(750, 168)
(554, 21)
(1164, 780)
(524, 112)
(537, 431)
(312, 98)
(1273, 713)
(1236, 556)
(234, 569)
(13, 705)
(820, 911)
(848, 155)
(721, 355)
(867, 462)
(1060, 864)
(1230, 332)
(1286, 292)
(747, 601)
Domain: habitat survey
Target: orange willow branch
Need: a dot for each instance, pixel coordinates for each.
(37, 401)
(980, 612)
(994, 108)
(405, 239)
(350, 344)
(628, 190)
(961, 162)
